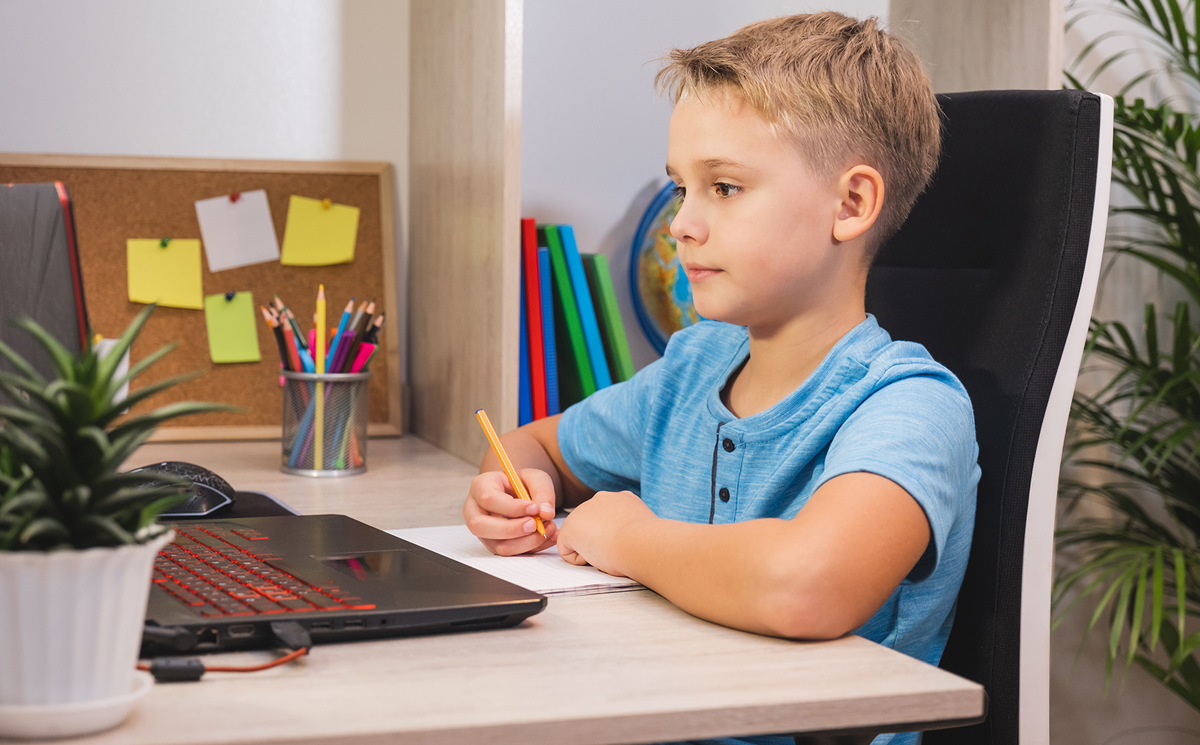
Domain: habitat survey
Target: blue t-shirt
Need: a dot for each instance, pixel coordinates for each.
(872, 405)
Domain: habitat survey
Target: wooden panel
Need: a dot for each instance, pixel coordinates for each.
(985, 44)
(465, 210)
(119, 198)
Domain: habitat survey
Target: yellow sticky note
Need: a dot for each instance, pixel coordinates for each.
(232, 332)
(167, 275)
(319, 233)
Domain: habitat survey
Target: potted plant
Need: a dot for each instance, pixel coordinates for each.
(1137, 568)
(77, 537)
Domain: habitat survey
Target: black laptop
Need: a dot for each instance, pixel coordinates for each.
(226, 580)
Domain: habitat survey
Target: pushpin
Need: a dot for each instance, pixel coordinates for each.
(326, 203)
(229, 296)
(235, 196)
(163, 243)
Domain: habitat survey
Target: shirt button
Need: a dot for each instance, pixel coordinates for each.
(728, 445)
(724, 493)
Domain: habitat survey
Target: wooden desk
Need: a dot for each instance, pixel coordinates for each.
(619, 668)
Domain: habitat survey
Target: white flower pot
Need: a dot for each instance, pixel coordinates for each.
(71, 624)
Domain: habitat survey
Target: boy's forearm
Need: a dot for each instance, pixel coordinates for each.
(741, 575)
(818, 575)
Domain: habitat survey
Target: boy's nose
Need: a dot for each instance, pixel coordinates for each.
(688, 226)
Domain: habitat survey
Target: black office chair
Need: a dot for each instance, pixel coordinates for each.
(39, 271)
(995, 272)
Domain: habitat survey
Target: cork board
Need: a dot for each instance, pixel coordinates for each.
(117, 198)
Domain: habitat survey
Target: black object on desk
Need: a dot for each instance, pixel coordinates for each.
(211, 496)
(225, 581)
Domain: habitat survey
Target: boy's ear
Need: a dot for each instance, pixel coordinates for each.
(861, 192)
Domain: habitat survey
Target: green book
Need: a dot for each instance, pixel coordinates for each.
(612, 330)
(575, 378)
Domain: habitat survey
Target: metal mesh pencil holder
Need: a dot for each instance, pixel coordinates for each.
(325, 423)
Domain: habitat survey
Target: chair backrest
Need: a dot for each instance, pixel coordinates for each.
(995, 273)
(39, 271)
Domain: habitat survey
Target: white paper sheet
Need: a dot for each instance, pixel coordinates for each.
(103, 347)
(237, 233)
(543, 572)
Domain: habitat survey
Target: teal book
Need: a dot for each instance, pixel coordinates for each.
(612, 330)
(587, 311)
(575, 378)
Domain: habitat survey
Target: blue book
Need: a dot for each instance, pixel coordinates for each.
(587, 312)
(548, 348)
(524, 394)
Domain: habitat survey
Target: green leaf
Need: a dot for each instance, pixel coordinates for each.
(134, 371)
(102, 530)
(21, 364)
(45, 531)
(1181, 588)
(111, 411)
(166, 413)
(63, 360)
(1156, 602)
(139, 497)
(108, 366)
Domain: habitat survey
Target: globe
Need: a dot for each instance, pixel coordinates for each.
(662, 296)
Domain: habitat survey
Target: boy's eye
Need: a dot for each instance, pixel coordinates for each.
(726, 190)
(678, 192)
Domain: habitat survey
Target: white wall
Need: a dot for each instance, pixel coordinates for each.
(593, 131)
(269, 79)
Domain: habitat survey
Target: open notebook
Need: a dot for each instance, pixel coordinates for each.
(545, 572)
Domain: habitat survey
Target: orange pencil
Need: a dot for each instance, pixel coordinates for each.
(513, 478)
(289, 340)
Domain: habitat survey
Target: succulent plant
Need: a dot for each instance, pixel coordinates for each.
(62, 441)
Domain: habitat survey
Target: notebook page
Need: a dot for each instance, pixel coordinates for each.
(544, 572)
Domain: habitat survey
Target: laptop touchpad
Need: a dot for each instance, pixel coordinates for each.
(382, 566)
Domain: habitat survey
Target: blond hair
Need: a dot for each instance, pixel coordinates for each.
(844, 91)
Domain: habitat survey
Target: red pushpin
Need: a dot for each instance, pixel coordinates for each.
(235, 196)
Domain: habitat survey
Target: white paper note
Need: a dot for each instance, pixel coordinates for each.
(543, 572)
(103, 347)
(237, 232)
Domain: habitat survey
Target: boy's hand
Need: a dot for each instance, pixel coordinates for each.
(503, 521)
(589, 534)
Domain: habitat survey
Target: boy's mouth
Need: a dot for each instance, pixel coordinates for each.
(696, 272)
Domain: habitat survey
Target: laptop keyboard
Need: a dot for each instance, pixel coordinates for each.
(205, 571)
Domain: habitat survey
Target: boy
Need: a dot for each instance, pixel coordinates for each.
(785, 468)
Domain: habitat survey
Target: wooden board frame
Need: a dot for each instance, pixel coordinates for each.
(49, 163)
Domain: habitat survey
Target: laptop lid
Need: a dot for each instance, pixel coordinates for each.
(226, 580)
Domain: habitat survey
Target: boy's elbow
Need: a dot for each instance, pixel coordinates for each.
(802, 609)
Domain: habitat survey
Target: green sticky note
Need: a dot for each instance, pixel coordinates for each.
(232, 333)
(167, 275)
(318, 233)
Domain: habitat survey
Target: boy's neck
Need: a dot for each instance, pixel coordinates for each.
(782, 358)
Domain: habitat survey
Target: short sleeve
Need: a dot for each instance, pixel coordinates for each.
(918, 432)
(602, 436)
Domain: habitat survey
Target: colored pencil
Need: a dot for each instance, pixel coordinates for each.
(319, 414)
(343, 349)
(286, 312)
(372, 335)
(341, 328)
(365, 350)
(289, 340)
(517, 485)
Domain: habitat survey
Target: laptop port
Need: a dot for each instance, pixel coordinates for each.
(241, 629)
(208, 637)
(354, 623)
(320, 626)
